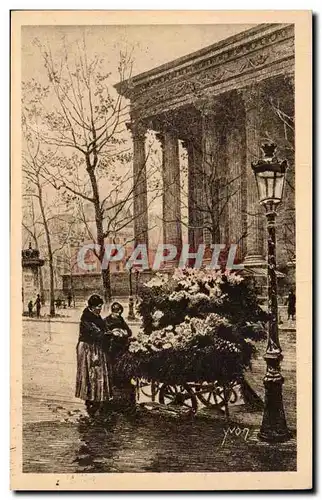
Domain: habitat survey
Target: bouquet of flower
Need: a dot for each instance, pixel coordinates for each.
(119, 333)
(197, 325)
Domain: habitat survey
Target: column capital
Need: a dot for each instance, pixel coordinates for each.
(138, 129)
(210, 106)
(160, 137)
(250, 96)
(188, 145)
(169, 129)
(290, 78)
(191, 146)
(167, 132)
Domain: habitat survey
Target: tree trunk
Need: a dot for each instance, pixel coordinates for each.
(106, 279)
(52, 287)
(50, 253)
(72, 291)
(41, 287)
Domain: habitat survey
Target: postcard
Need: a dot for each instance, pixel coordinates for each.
(161, 179)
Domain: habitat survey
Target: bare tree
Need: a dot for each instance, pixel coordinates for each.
(33, 160)
(278, 99)
(83, 118)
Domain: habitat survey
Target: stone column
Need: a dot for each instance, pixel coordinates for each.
(171, 206)
(195, 193)
(223, 185)
(210, 168)
(237, 183)
(140, 204)
(255, 213)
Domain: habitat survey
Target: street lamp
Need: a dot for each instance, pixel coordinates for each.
(270, 175)
(137, 277)
(131, 315)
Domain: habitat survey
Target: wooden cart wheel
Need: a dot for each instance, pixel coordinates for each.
(207, 393)
(178, 395)
(231, 394)
(211, 394)
(149, 389)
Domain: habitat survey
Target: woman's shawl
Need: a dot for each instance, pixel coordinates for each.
(117, 323)
(92, 327)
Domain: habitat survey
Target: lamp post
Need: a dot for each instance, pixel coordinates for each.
(131, 315)
(270, 175)
(137, 276)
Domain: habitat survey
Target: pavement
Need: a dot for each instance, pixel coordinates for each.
(57, 437)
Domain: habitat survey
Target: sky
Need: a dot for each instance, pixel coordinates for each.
(152, 45)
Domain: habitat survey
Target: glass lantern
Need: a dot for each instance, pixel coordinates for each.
(270, 176)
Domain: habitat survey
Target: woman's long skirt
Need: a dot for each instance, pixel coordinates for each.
(93, 378)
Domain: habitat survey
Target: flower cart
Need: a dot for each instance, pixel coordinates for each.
(190, 395)
(198, 335)
(207, 393)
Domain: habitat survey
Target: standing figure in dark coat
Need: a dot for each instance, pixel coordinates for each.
(120, 330)
(30, 307)
(38, 305)
(93, 379)
(291, 305)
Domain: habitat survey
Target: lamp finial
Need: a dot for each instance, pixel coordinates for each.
(269, 149)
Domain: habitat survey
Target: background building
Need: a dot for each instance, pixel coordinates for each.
(220, 103)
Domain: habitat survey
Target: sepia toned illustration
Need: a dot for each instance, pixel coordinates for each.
(158, 249)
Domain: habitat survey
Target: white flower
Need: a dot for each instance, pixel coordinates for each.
(157, 315)
(135, 346)
(178, 296)
(169, 337)
(198, 325)
(155, 337)
(143, 339)
(178, 274)
(197, 298)
(181, 329)
(213, 320)
(118, 332)
(233, 278)
(153, 282)
(194, 288)
(158, 280)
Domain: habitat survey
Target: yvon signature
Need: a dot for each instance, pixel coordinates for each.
(236, 432)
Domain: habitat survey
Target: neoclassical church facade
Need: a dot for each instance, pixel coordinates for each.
(222, 102)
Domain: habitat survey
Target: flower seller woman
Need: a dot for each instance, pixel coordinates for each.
(93, 379)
